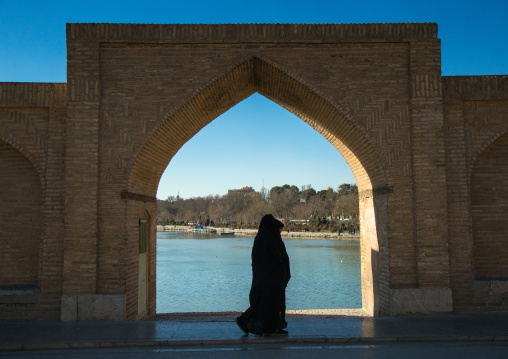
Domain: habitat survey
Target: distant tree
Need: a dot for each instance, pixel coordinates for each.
(204, 218)
(256, 211)
(189, 216)
(294, 189)
(307, 193)
(347, 188)
(326, 201)
(220, 210)
(274, 191)
(163, 217)
(286, 188)
(314, 206)
(286, 201)
(347, 206)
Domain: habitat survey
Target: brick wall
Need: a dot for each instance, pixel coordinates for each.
(32, 128)
(476, 121)
(354, 90)
(421, 147)
(159, 85)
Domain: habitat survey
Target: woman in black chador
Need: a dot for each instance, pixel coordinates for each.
(270, 276)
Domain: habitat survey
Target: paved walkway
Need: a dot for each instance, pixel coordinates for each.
(221, 329)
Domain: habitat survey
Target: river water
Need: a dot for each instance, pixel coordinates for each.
(199, 272)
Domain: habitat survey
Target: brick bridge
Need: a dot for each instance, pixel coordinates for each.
(80, 162)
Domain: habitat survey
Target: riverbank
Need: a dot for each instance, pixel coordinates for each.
(253, 232)
(222, 316)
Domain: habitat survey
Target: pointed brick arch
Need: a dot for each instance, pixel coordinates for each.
(20, 218)
(7, 138)
(481, 147)
(256, 75)
(489, 191)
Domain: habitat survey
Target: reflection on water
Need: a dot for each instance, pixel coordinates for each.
(207, 273)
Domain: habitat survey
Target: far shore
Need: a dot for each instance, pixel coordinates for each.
(253, 232)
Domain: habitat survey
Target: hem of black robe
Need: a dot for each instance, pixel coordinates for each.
(258, 326)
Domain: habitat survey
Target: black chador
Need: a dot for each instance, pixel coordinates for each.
(270, 276)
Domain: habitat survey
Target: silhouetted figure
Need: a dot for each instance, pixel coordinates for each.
(270, 276)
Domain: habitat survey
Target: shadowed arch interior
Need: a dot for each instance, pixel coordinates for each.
(20, 218)
(489, 190)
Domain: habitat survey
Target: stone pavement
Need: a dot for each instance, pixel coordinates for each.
(221, 330)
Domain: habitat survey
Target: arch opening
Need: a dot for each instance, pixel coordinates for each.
(255, 144)
(20, 218)
(256, 75)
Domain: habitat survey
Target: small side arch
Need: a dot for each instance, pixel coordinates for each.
(20, 217)
(8, 140)
(489, 205)
(500, 132)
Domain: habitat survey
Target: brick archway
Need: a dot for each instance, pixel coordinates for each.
(140, 92)
(256, 75)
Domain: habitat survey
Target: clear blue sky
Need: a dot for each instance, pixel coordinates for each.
(32, 49)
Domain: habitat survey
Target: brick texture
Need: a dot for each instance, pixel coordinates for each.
(32, 128)
(475, 117)
(489, 188)
(428, 153)
(20, 218)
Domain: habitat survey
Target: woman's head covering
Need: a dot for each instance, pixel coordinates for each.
(268, 222)
(268, 249)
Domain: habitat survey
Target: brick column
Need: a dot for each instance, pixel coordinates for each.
(81, 300)
(433, 294)
(459, 206)
(81, 175)
(51, 261)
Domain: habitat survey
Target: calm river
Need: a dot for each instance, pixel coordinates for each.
(209, 273)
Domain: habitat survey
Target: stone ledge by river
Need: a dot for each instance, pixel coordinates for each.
(253, 232)
(221, 316)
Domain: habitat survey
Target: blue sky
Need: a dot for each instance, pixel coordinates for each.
(32, 49)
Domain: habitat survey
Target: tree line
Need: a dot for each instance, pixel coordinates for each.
(300, 208)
